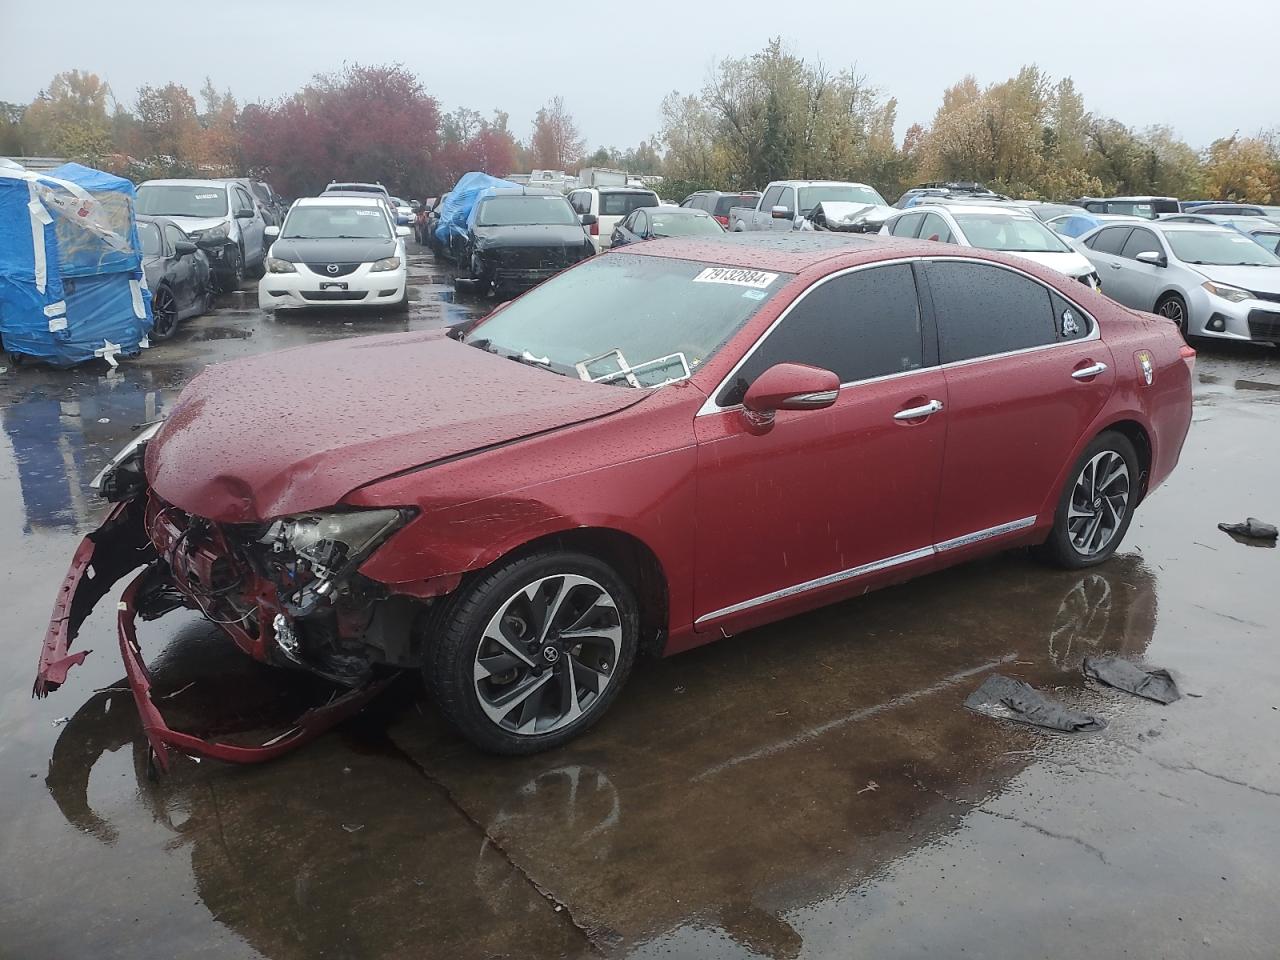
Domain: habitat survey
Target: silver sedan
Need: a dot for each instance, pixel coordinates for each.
(1211, 281)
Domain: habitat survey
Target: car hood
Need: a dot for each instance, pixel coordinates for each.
(1256, 279)
(333, 251)
(195, 224)
(297, 430)
(1071, 264)
(489, 238)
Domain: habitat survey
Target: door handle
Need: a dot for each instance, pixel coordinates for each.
(1084, 373)
(915, 413)
(1114, 266)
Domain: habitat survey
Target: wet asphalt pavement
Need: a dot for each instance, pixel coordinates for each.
(811, 789)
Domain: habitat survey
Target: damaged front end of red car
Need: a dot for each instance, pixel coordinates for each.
(285, 591)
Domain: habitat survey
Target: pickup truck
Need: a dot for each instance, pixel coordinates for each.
(786, 204)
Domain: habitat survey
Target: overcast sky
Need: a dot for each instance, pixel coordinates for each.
(613, 62)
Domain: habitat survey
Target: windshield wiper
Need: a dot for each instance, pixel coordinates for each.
(524, 356)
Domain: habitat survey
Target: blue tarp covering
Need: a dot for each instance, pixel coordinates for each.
(454, 213)
(1078, 224)
(71, 232)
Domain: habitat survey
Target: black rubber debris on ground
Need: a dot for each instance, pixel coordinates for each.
(1007, 699)
(1253, 532)
(1155, 685)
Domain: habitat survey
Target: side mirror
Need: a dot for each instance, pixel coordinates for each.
(588, 219)
(789, 386)
(272, 231)
(244, 213)
(184, 248)
(403, 232)
(1153, 258)
(782, 213)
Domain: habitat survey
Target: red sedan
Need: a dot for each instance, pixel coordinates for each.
(656, 449)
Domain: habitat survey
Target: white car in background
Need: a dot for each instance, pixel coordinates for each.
(1009, 229)
(336, 251)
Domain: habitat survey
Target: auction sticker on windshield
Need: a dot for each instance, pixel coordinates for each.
(736, 276)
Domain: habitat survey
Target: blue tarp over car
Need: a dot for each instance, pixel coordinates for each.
(71, 281)
(456, 209)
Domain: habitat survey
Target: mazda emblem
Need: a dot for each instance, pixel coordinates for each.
(332, 268)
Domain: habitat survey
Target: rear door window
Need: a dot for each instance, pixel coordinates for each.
(983, 309)
(1110, 240)
(621, 204)
(861, 325)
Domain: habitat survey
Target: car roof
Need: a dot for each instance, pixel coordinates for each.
(520, 192)
(184, 182)
(337, 200)
(669, 208)
(621, 189)
(1142, 199)
(1167, 226)
(1008, 210)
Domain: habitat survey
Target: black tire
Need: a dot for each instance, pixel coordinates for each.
(402, 305)
(1061, 548)
(233, 273)
(164, 311)
(1174, 308)
(455, 636)
(257, 273)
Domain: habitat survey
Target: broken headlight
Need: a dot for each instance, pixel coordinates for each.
(123, 476)
(327, 547)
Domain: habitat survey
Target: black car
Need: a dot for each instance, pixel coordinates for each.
(518, 237)
(177, 273)
(648, 223)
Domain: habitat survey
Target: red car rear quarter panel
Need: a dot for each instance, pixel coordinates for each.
(633, 472)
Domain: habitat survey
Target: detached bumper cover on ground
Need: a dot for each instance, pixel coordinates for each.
(106, 555)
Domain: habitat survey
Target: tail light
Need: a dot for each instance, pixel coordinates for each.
(723, 221)
(595, 229)
(1188, 355)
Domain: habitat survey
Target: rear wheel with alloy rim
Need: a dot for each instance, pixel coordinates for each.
(532, 654)
(164, 313)
(1097, 505)
(1174, 308)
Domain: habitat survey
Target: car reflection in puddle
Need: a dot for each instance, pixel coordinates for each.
(733, 785)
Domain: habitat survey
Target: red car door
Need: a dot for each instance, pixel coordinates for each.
(1026, 374)
(823, 498)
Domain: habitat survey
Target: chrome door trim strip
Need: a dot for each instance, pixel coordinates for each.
(978, 536)
(710, 406)
(873, 567)
(828, 580)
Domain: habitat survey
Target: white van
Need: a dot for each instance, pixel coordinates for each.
(610, 205)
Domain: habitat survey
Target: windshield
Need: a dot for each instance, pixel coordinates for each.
(336, 222)
(181, 200)
(1015, 234)
(520, 211)
(149, 234)
(1219, 248)
(810, 197)
(628, 309)
(682, 225)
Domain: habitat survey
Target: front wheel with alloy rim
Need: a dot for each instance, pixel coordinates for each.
(1174, 308)
(1097, 505)
(164, 313)
(532, 654)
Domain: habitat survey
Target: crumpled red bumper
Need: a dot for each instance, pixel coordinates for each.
(307, 727)
(118, 546)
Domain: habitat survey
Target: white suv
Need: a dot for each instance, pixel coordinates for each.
(609, 205)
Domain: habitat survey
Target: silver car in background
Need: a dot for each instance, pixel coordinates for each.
(1212, 281)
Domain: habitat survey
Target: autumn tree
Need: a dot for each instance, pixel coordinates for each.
(220, 143)
(169, 131)
(362, 123)
(70, 118)
(1244, 168)
(556, 142)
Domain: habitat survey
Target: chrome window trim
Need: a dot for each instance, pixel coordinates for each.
(873, 567)
(710, 406)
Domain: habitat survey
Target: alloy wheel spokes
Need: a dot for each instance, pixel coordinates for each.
(1099, 503)
(547, 654)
